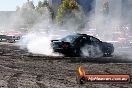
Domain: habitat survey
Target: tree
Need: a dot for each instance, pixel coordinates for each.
(105, 7)
(42, 6)
(29, 5)
(39, 7)
(17, 8)
(67, 8)
(26, 15)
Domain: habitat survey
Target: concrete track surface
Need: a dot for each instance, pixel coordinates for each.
(20, 69)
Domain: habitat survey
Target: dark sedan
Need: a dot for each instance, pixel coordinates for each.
(82, 45)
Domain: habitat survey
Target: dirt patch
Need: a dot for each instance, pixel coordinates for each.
(20, 69)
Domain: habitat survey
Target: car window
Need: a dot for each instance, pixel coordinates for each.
(70, 38)
(93, 39)
(82, 40)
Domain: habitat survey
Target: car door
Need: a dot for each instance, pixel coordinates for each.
(84, 40)
(79, 41)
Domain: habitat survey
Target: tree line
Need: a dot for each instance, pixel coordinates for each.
(29, 14)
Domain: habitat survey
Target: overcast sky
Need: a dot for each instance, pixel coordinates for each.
(10, 5)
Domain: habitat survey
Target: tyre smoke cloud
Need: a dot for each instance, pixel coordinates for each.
(91, 51)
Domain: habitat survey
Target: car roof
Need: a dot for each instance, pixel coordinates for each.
(79, 35)
(84, 35)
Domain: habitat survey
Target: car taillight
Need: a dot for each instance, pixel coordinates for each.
(65, 45)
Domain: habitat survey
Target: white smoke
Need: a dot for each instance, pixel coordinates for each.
(39, 44)
(39, 39)
(91, 51)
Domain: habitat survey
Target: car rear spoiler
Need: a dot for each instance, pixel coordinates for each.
(54, 40)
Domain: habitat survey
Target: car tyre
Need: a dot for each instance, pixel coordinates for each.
(107, 53)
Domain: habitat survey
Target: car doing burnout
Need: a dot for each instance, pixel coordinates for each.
(81, 45)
